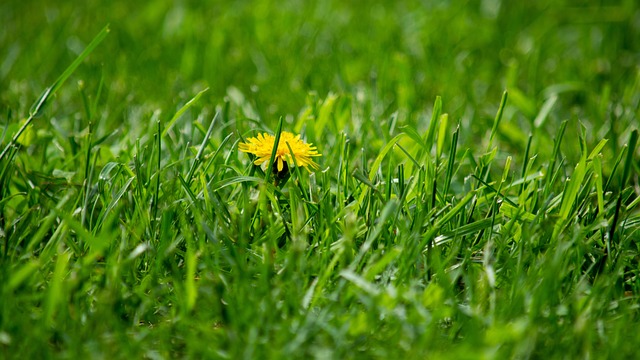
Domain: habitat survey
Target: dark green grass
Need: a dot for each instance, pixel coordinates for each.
(449, 219)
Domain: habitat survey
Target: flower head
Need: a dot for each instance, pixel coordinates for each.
(262, 146)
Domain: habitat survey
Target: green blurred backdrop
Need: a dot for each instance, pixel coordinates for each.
(275, 52)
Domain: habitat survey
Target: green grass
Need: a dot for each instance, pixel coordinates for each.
(477, 197)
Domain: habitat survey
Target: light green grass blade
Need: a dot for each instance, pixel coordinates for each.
(497, 119)
(597, 169)
(56, 292)
(435, 116)
(182, 110)
(198, 159)
(628, 163)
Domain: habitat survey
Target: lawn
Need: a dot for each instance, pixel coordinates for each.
(477, 193)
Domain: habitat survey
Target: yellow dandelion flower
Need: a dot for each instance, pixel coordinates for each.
(262, 146)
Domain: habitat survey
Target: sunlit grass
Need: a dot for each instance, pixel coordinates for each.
(447, 217)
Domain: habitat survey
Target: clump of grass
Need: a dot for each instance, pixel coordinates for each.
(422, 233)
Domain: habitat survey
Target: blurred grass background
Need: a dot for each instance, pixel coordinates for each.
(405, 52)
